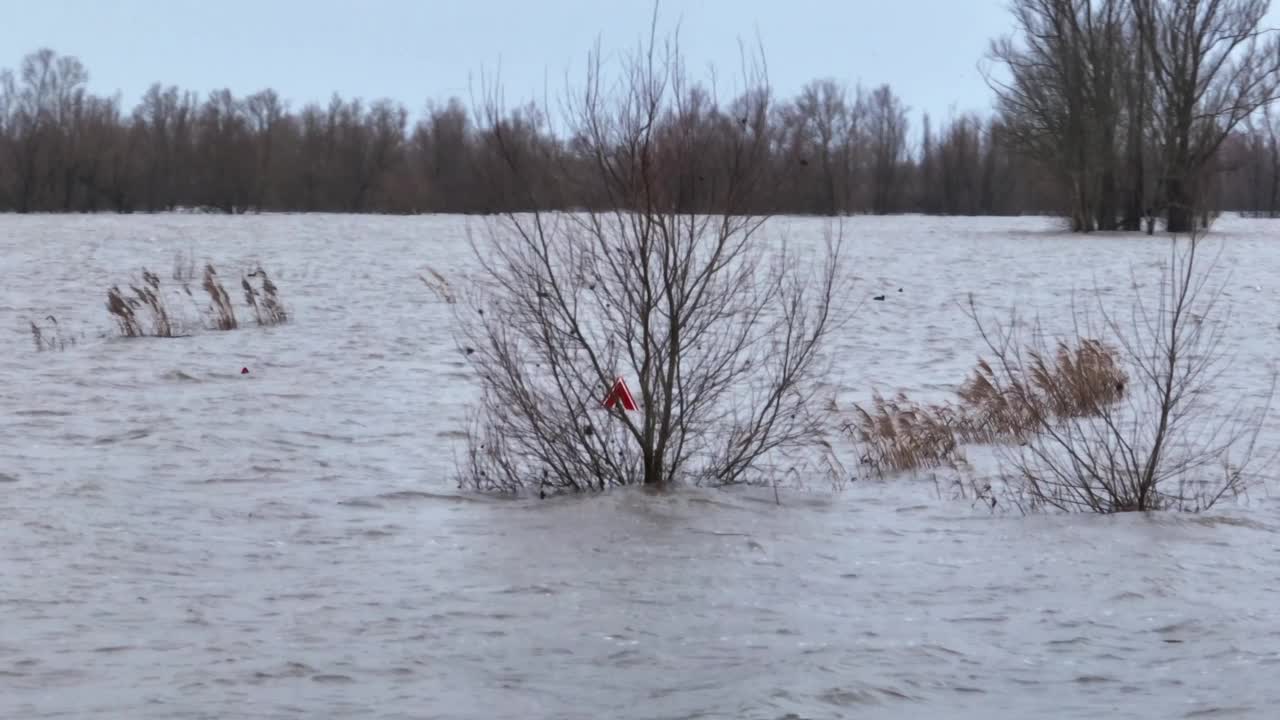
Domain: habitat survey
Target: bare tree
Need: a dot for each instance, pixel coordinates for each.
(1136, 90)
(226, 151)
(1164, 445)
(1060, 104)
(887, 134)
(826, 126)
(720, 335)
(265, 114)
(959, 166)
(1212, 67)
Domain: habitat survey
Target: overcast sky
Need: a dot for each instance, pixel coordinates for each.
(415, 50)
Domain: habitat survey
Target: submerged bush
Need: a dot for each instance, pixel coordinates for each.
(1166, 446)
(718, 329)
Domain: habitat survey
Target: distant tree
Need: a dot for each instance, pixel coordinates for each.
(887, 138)
(1060, 104)
(827, 131)
(1089, 125)
(265, 114)
(1212, 66)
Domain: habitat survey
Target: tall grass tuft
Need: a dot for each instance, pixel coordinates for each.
(439, 285)
(50, 339)
(128, 308)
(265, 302)
(900, 435)
(224, 316)
(1081, 381)
(993, 412)
(1078, 381)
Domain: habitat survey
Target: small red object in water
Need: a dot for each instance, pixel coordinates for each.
(620, 394)
(244, 371)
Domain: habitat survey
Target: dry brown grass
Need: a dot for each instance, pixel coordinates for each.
(1080, 381)
(224, 316)
(1077, 382)
(439, 285)
(900, 435)
(140, 310)
(265, 301)
(129, 308)
(994, 411)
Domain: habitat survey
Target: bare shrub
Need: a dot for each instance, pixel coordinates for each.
(146, 298)
(676, 288)
(265, 301)
(1154, 444)
(224, 316)
(50, 338)
(901, 435)
(439, 285)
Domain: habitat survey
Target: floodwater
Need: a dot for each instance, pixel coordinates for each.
(180, 540)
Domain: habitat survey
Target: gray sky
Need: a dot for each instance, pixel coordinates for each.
(415, 50)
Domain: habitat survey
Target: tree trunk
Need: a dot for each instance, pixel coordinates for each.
(1106, 209)
(1136, 202)
(1180, 212)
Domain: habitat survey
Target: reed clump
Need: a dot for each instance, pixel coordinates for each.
(50, 338)
(265, 300)
(899, 434)
(141, 310)
(220, 309)
(1077, 380)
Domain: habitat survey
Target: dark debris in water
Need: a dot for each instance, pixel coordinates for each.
(331, 679)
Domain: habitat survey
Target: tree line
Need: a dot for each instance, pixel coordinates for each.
(1106, 112)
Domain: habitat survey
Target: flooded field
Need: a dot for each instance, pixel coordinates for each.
(181, 540)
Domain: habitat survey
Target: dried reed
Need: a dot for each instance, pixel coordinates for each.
(265, 302)
(53, 339)
(900, 435)
(126, 307)
(439, 285)
(224, 316)
(1078, 382)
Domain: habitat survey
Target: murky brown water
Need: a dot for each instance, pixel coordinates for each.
(178, 540)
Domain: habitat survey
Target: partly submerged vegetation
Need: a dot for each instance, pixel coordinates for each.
(143, 310)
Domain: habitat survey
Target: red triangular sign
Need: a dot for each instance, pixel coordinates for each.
(620, 394)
